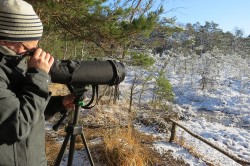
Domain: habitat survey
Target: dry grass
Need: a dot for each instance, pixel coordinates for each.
(58, 89)
(123, 148)
(52, 149)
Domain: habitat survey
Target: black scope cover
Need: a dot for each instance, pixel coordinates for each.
(79, 73)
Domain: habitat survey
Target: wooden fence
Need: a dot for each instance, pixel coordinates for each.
(235, 158)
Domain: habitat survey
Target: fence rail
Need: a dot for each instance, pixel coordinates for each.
(233, 157)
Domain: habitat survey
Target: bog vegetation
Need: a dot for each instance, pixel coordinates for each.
(132, 31)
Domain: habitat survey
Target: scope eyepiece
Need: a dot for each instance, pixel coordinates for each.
(30, 52)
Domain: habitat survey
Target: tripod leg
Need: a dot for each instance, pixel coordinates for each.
(60, 155)
(87, 150)
(71, 150)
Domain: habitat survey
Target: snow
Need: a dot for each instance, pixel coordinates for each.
(220, 113)
(179, 152)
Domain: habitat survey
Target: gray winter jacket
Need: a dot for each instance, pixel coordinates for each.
(24, 96)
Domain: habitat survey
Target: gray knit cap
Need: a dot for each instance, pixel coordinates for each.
(19, 22)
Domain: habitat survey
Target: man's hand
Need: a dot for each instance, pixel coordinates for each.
(69, 102)
(41, 60)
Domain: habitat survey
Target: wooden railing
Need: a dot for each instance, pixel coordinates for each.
(173, 134)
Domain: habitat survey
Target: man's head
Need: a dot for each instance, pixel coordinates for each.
(20, 27)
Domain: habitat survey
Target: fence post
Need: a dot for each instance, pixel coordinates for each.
(173, 132)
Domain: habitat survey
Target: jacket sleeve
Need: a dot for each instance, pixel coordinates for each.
(55, 105)
(19, 112)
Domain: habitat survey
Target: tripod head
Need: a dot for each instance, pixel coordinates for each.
(79, 93)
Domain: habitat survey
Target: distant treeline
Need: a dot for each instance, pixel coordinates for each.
(201, 39)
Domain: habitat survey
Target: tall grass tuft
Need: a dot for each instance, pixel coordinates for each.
(123, 148)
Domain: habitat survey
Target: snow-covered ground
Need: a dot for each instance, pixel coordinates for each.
(219, 113)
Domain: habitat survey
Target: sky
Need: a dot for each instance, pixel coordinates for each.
(229, 14)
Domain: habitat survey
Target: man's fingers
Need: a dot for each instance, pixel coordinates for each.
(42, 60)
(51, 60)
(37, 53)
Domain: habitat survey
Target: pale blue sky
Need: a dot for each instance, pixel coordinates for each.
(227, 13)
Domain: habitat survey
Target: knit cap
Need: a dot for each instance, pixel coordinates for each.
(19, 22)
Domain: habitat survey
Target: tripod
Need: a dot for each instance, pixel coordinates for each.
(73, 129)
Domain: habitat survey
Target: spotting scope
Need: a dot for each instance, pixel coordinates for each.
(79, 73)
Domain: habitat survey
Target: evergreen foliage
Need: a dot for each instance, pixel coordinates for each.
(107, 28)
(164, 90)
(142, 59)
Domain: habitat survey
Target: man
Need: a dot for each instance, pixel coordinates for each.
(24, 95)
